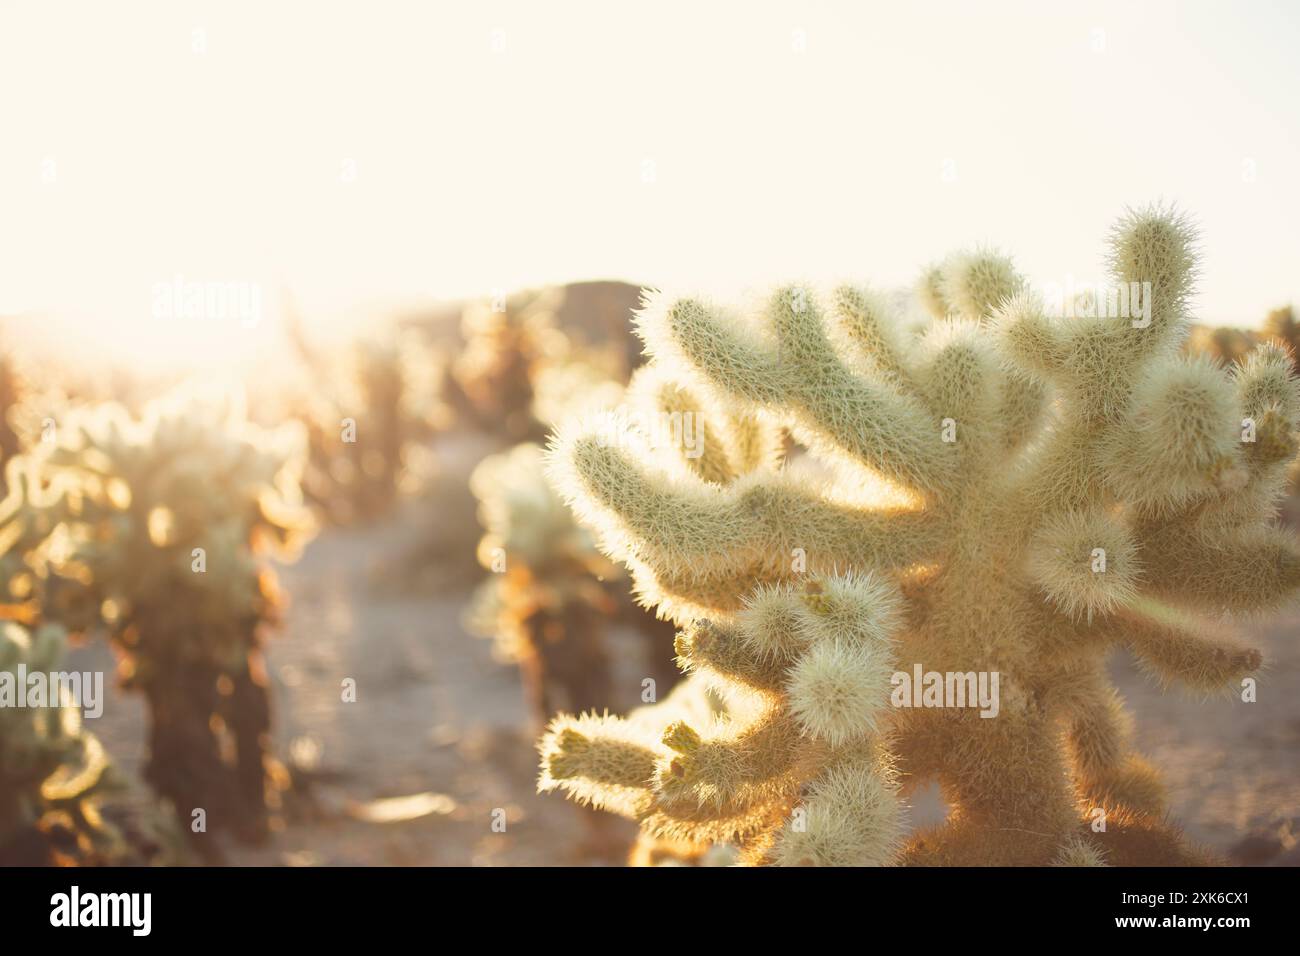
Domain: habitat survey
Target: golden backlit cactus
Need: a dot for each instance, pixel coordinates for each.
(158, 529)
(60, 797)
(796, 771)
(1039, 489)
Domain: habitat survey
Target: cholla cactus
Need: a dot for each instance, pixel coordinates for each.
(796, 773)
(506, 343)
(543, 604)
(157, 529)
(1040, 490)
(366, 420)
(55, 777)
(1224, 344)
(1229, 345)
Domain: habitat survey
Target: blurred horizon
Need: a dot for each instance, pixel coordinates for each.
(363, 159)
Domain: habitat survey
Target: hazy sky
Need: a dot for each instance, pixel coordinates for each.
(359, 152)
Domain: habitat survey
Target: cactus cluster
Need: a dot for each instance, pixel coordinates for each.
(1007, 492)
(58, 788)
(157, 530)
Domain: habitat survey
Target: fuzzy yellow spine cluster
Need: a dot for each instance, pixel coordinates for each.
(796, 773)
(1040, 488)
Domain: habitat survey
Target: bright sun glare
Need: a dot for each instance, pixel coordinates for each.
(366, 174)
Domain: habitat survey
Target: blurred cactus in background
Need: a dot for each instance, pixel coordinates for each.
(61, 801)
(1040, 490)
(1281, 326)
(158, 530)
(544, 604)
(1231, 346)
(1225, 344)
(368, 419)
(585, 381)
(506, 342)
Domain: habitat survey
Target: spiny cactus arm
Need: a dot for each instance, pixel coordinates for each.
(929, 292)
(720, 652)
(869, 320)
(1215, 569)
(958, 374)
(708, 825)
(755, 443)
(1269, 394)
(717, 443)
(868, 421)
(1100, 359)
(664, 400)
(1179, 442)
(1150, 249)
(1265, 379)
(808, 670)
(684, 786)
(736, 766)
(1032, 351)
(606, 762)
(1022, 403)
(1133, 838)
(699, 539)
(739, 763)
(994, 404)
(694, 339)
(971, 285)
(1156, 245)
(1098, 732)
(833, 644)
(670, 516)
(1027, 338)
(974, 284)
(829, 649)
(1176, 648)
